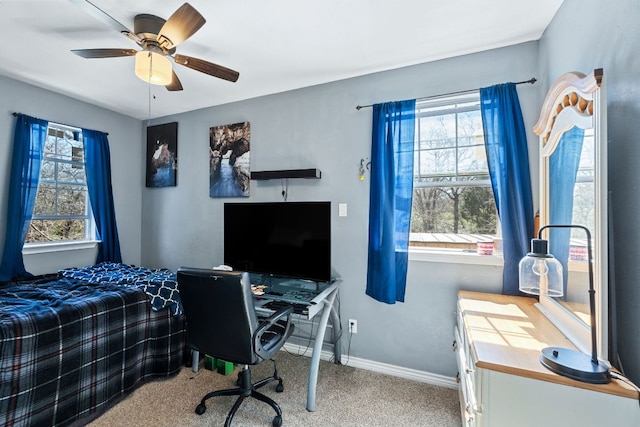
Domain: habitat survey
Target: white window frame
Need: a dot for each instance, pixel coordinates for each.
(89, 241)
(456, 256)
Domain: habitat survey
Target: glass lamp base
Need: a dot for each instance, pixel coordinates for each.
(575, 365)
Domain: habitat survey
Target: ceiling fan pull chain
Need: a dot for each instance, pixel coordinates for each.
(149, 96)
(150, 66)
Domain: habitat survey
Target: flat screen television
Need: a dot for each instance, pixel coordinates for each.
(281, 239)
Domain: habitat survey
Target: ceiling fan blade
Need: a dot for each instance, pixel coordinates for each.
(175, 84)
(180, 26)
(207, 67)
(103, 16)
(104, 53)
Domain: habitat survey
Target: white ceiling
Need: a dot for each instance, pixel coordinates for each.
(275, 45)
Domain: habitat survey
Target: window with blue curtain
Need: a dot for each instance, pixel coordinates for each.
(390, 200)
(61, 211)
(508, 160)
(29, 140)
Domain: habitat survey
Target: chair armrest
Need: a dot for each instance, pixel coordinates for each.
(266, 325)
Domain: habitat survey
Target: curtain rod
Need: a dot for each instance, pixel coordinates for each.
(531, 80)
(15, 114)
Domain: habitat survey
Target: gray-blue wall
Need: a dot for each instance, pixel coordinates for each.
(320, 127)
(589, 34)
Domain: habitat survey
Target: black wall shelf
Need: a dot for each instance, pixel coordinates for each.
(287, 173)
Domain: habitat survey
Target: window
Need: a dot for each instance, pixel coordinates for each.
(62, 211)
(453, 204)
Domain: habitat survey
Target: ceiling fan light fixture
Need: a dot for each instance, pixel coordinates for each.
(153, 68)
(158, 39)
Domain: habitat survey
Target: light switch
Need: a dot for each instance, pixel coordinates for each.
(342, 209)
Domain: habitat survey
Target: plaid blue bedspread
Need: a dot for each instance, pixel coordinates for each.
(69, 349)
(159, 284)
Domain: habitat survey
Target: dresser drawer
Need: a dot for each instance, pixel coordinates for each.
(467, 380)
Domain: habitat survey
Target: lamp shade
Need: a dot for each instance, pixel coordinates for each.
(153, 68)
(540, 272)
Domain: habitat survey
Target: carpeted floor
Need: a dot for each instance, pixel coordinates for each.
(345, 397)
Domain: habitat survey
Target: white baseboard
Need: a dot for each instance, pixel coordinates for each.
(383, 368)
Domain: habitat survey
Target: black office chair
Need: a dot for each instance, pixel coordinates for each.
(222, 323)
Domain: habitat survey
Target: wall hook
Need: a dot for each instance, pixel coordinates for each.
(362, 166)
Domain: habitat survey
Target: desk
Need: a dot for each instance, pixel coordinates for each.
(321, 304)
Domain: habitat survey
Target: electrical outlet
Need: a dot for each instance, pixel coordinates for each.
(353, 326)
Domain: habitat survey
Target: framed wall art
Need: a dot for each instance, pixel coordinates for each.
(229, 160)
(162, 155)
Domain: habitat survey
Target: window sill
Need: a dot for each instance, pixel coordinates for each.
(41, 248)
(458, 257)
(454, 257)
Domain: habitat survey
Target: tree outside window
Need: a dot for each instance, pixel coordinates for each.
(61, 211)
(453, 204)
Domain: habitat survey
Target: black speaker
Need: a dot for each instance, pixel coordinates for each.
(288, 173)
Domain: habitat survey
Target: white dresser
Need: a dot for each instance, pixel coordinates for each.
(498, 340)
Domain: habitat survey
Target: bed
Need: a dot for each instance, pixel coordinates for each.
(75, 343)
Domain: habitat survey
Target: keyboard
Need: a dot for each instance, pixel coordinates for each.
(277, 305)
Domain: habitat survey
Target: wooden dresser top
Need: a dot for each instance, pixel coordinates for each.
(506, 334)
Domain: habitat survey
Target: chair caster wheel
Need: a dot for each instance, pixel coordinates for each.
(280, 387)
(277, 421)
(200, 409)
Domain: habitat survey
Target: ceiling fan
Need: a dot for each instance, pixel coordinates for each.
(158, 39)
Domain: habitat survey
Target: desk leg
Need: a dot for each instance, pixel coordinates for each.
(195, 360)
(337, 347)
(317, 349)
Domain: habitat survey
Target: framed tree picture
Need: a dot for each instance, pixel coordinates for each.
(229, 160)
(162, 155)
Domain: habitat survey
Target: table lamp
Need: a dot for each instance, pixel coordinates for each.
(541, 273)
